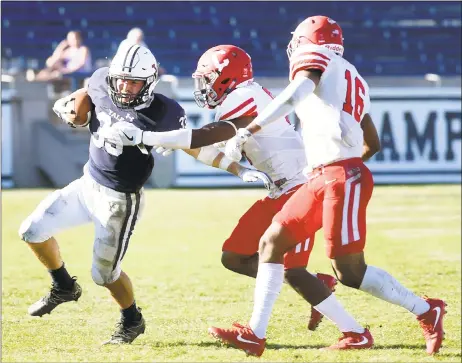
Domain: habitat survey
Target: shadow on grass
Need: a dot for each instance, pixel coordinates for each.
(207, 344)
(218, 344)
(400, 346)
(421, 347)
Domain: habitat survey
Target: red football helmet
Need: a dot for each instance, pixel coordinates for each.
(319, 30)
(219, 70)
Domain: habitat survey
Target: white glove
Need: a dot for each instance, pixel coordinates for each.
(252, 175)
(64, 108)
(124, 134)
(233, 149)
(130, 134)
(221, 144)
(162, 150)
(110, 134)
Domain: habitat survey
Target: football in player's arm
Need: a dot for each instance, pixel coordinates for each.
(76, 109)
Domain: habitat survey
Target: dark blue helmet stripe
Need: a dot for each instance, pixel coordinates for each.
(124, 65)
(133, 57)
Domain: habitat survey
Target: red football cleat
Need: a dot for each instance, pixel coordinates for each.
(432, 324)
(316, 317)
(351, 340)
(241, 337)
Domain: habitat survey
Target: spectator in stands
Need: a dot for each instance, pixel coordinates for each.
(136, 36)
(70, 56)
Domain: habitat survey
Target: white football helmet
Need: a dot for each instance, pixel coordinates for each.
(136, 63)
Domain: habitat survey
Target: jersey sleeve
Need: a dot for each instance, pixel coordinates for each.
(309, 57)
(239, 103)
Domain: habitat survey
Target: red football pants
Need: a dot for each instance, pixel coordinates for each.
(335, 197)
(246, 235)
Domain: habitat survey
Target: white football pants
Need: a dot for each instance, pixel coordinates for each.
(114, 215)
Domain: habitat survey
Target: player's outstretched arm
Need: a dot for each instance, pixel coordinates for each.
(216, 132)
(301, 87)
(209, 155)
(371, 138)
(178, 139)
(195, 138)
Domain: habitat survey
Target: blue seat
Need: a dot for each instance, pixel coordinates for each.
(381, 38)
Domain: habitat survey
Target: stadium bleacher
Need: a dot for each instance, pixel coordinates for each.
(381, 38)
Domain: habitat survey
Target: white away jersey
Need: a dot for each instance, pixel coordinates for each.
(276, 149)
(331, 115)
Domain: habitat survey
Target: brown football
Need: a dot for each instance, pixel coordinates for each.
(82, 105)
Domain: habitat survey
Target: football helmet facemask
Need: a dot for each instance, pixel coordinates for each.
(219, 71)
(133, 63)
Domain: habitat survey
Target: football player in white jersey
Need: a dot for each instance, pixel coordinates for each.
(332, 101)
(224, 82)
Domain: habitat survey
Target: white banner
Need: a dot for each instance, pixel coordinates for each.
(420, 131)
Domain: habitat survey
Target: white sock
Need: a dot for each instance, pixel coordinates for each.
(381, 284)
(334, 311)
(269, 282)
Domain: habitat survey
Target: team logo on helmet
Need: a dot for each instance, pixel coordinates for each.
(216, 61)
(220, 69)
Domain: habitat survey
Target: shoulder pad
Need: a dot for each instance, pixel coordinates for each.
(168, 113)
(169, 102)
(97, 82)
(308, 57)
(239, 103)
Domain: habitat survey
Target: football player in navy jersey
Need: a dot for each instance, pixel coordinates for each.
(110, 192)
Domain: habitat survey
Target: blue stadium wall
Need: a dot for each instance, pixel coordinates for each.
(381, 38)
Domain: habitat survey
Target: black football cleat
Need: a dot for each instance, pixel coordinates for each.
(55, 297)
(127, 332)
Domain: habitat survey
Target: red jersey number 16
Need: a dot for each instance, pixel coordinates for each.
(359, 91)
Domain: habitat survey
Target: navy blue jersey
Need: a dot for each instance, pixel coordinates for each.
(127, 169)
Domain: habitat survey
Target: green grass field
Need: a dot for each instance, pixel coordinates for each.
(174, 263)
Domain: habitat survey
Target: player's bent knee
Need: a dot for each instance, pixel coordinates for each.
(31, 232)
(348, 277)
(104, 275)
(35, 228)
(275, 241)
(25, 232)
(350, 269)
(268, 240)
(230, 260)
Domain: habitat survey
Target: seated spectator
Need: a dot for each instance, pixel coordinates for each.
(70, 56)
